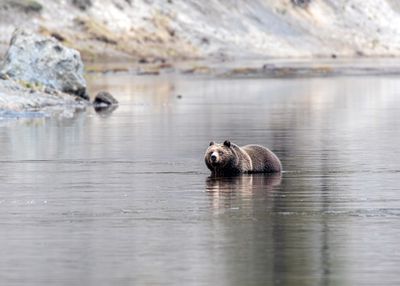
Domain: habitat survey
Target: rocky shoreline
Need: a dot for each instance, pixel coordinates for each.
(18, 97)
(42, 65)
(38, 73)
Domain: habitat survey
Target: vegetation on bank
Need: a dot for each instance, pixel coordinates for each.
(180, 30)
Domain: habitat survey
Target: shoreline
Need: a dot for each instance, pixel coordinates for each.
(257, 68)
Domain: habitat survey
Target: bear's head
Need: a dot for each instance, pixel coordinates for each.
(220, 156)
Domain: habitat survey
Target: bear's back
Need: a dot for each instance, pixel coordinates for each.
(263, 159)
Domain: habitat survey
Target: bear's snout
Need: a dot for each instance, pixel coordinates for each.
(214, 158)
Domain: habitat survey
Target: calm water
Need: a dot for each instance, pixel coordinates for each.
(125, 199)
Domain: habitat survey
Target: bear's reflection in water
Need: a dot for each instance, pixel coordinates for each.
(242, 192)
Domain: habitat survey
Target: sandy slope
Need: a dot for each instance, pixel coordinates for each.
(156, 29)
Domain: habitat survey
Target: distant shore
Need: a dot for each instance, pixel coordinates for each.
(169, 31)
(254, 68)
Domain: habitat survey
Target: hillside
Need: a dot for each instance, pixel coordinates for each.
(151, 30)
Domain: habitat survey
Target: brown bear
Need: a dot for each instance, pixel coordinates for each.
(229, 159)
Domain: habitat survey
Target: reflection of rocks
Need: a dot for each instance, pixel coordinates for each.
(44, 61)
(105, 111)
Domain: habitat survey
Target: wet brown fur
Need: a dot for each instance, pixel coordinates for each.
(233, 160)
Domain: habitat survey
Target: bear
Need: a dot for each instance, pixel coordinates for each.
(228, 159)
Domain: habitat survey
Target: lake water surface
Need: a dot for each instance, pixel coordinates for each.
(124, 198)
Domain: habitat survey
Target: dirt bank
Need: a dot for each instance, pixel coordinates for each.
(156, 31)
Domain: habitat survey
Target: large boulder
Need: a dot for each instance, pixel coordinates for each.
(43, 60)
(18, 96)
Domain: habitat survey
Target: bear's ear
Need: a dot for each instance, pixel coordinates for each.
(227, 143)
(211, 143)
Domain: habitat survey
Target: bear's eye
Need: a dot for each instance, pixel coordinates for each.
(220, 153)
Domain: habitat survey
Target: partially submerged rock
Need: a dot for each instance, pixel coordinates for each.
(105, 102)
(43, 60)
(104, 98)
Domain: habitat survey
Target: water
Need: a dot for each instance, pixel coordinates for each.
(124, 198)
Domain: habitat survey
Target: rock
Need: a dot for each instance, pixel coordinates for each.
(27, 6)
(104, 98)
(43, 60)
(58, 36)
(82, 4)
(301, 3)
(104, 103)
(19, 97)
